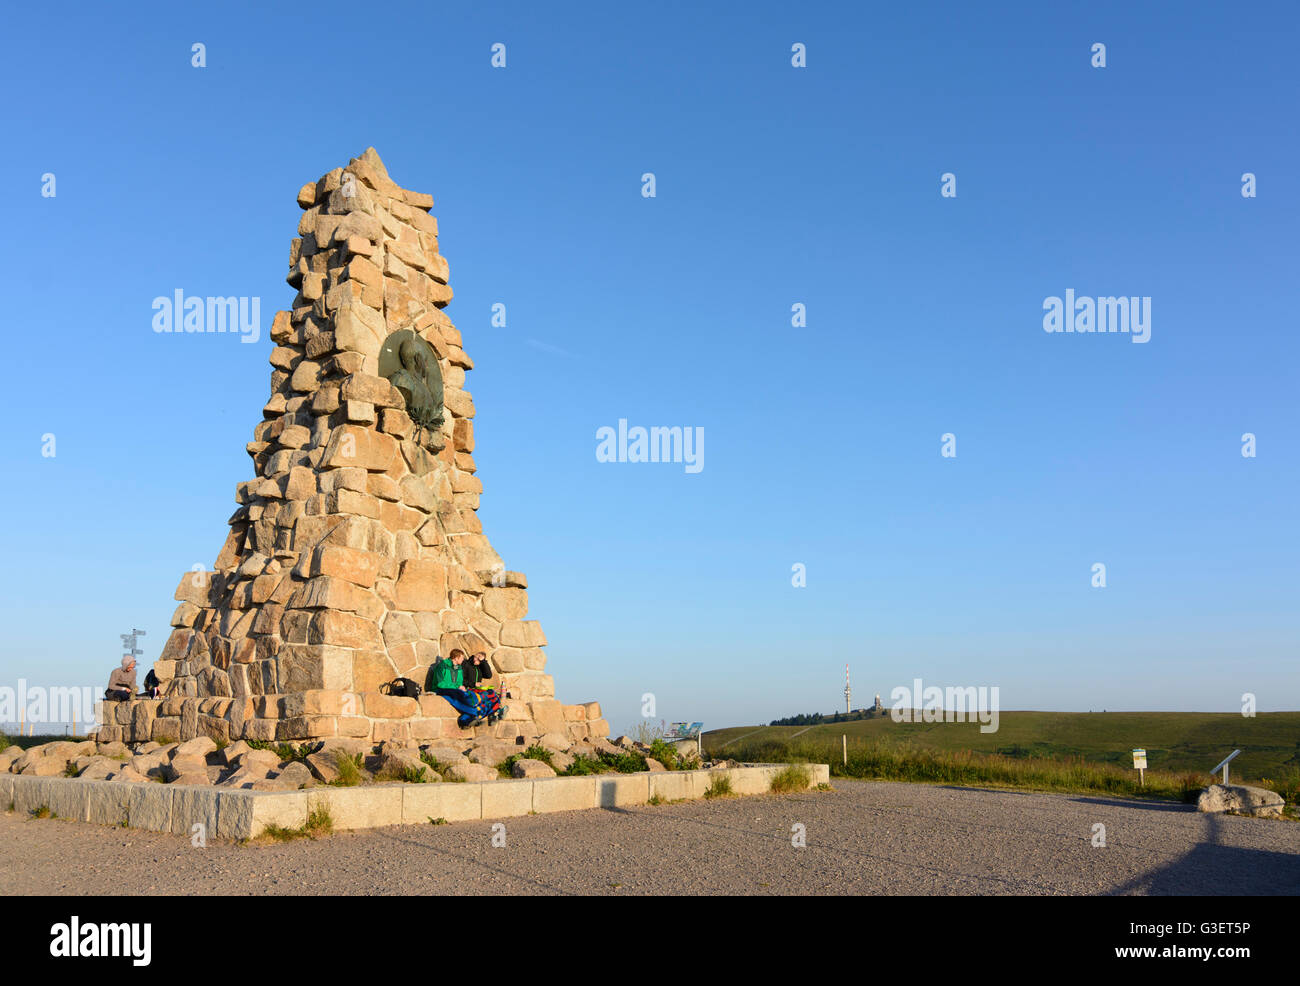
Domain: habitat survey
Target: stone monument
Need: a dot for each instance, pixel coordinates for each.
(356, 555)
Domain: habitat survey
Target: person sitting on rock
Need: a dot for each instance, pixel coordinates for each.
(449, 682)
(121, 683)
(477, 670)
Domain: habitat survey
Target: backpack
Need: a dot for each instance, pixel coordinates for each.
(402, 687)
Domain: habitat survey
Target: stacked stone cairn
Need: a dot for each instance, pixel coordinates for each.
(356, 555)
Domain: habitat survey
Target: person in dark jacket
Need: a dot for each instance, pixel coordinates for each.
(476, 671)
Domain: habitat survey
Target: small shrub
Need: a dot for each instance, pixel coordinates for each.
(71, 770)
(583, 766)
(285, 751)
(437, 821)
(719, 787)
(656, 799)
(665, 754)
(43, 812)
(627, 762)
(824, 787)
(414, 775)
(793, 778)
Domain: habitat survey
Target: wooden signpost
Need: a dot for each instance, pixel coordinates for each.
(1140, 765)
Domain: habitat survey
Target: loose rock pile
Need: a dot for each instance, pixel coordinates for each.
(356, 555)
(201, 761)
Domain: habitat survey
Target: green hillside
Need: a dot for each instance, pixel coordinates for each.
(1179, 742)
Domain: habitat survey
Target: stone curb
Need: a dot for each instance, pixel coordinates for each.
(239, 814)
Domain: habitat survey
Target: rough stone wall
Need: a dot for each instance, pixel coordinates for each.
(356, 554)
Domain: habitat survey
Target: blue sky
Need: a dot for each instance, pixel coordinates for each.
(774, 186)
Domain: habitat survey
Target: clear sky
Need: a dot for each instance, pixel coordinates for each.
(775, 186)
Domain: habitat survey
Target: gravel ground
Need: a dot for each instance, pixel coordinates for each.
(862, 838)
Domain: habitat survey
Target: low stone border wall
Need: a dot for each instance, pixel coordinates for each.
(241, 814)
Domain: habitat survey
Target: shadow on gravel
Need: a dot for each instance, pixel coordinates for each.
(463, 858)
(992, 790)
(1140, 805)
(1213, 868)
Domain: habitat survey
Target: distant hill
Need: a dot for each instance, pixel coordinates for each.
(1174, 741)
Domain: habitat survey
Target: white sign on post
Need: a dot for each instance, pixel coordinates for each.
(1140, 765)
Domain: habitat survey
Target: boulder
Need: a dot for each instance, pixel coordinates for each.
(323, 764)
(263, 760)
(65, 749)
(686, 748)
(100, 769)
(249, 775)
(128, 774)
(392, 763)
(489, 753)
(53, 766)
(345, 744)
(199, 747)
(530, 768)
(23, 758)
(445, 754)
(323, 767)
(297, 775)
(193, 778)
(472, 772)
(233, 751)
(149, 764)
(1240, 799)
(178, 767)
(555, 742)
(118, 751)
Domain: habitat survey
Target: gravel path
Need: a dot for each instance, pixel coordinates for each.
(862, 838)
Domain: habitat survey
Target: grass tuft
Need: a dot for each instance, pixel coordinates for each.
(349, 768)
(795, 777)
(319, 824)
(719, 787)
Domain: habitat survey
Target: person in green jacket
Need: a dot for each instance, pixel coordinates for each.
(448, 681)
